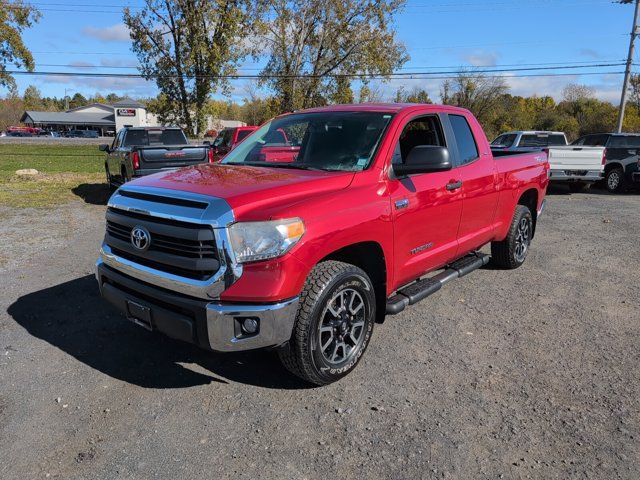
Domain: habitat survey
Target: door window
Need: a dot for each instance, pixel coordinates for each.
(418, 132)
(467, 148)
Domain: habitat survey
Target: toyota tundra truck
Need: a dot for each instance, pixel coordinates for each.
(371, 209)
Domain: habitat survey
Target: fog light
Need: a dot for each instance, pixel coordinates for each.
(250, 325)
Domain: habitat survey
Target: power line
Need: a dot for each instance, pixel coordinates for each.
(393, 75)
(459, 66)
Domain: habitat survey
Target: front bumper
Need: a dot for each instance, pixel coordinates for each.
(214, 326)
(571, 176)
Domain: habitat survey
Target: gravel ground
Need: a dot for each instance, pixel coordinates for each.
(532, 373)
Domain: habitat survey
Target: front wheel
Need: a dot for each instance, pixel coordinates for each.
(512, 251)
(112, 187)
(333, 325)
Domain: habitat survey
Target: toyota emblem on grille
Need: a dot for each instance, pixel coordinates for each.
(140, 238)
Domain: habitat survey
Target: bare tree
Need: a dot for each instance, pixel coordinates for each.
(575, 92)
(187, 47)
(318, 47)
(478, 93)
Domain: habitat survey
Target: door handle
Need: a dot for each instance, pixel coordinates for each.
(402, 203)
(454, 185)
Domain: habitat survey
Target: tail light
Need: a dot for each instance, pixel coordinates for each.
(210, 154)
(604, 156)
(135, 159)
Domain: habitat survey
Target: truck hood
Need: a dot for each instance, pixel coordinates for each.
(252, 192)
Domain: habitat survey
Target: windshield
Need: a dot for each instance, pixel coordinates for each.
(505, 140)
(542, 140)
(343, 141)
(144, 138)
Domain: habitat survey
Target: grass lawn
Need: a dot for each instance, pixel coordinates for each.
(62, 168)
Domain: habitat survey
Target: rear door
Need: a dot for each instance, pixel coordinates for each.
(623, 149)
(426, 209)
(475, 171)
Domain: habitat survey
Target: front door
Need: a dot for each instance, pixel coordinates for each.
(426, 207)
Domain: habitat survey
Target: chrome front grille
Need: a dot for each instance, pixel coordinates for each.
(176, 247)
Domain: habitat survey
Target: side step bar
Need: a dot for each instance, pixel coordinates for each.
(421, 289)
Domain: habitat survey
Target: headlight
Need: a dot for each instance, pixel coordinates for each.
(253, 241)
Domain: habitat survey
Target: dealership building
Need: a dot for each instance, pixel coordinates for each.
(105, 119)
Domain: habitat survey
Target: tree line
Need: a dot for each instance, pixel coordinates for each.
(314, 52)
(578, 112)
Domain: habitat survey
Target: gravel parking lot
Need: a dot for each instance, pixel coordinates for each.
(532, 373)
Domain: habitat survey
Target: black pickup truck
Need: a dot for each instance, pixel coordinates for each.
(139, 151)
(622, 167)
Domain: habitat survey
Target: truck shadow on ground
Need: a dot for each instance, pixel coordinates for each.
(93, 193)
(72, 317)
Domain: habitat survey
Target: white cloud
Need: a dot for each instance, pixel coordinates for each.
(481, 59)
(81, 64)
(606, 87)
(115, 33)
(115, 62)
(134, 87)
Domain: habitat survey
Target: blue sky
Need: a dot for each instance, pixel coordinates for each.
(79, 34)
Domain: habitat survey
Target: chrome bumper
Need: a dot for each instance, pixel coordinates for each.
(562, 176)
(206, 289)
(275, 325)
(213, 325)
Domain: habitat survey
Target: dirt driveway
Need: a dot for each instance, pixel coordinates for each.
(533, 373)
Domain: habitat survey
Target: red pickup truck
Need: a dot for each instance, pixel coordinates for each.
(378, 208)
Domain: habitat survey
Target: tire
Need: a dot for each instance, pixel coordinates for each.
(123, 175)
(327, 342)
(614, 180)
(112, 187)
(576, 187)
(512, 251)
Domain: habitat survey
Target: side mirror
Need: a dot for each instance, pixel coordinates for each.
(424, 159)
(103, 147)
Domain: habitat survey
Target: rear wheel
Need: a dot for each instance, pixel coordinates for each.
(333, 325)
(614, 180)
(512, 251)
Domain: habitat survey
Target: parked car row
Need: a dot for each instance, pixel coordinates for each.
(39, 132)
(610, 157)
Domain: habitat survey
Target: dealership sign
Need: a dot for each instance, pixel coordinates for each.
(126, 112)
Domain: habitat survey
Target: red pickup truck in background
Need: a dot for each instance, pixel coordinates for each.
(228, 138)
(371, 209)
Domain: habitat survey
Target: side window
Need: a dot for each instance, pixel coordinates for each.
(596, 140)
(467, 148)
(420, 131)
(117, 140)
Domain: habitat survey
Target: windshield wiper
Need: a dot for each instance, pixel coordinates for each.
(297, 166)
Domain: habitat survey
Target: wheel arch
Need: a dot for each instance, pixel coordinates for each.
(529, 198)
(369, 256)
(612, 165)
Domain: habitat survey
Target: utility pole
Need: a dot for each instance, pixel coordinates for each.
(627, 71)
